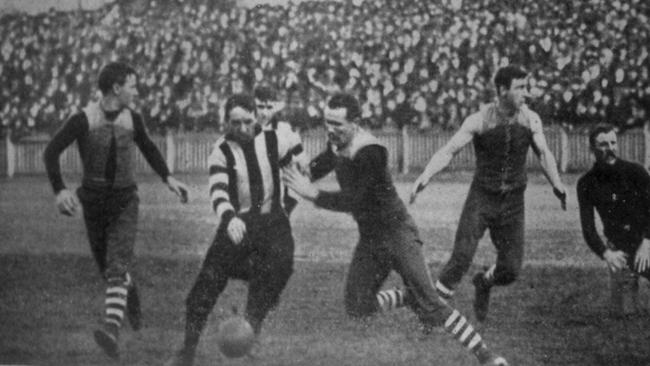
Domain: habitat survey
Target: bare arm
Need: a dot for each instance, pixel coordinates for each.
(442, 157)
(547, 160)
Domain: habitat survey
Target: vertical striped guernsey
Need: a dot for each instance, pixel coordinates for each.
(245, 176)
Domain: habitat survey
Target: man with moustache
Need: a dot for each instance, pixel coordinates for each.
(619, 191)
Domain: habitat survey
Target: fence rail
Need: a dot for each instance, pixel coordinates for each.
(408, 151)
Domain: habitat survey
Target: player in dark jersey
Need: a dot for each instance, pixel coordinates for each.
(389, 239)
(107, 133)
(620, 191)
(502, 134)
(253, 241)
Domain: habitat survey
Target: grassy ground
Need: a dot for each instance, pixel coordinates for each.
(51, 294)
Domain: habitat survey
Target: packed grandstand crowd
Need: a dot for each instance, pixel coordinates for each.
(427, 64)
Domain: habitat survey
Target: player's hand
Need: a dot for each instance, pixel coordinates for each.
(179, 188)
(418, 186)
(561, 193)
(616, 259)
(303, 167)
(299, 183)
(67, 202)
(642, 257)
(236, 230)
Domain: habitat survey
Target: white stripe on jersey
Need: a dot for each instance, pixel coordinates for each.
(286, 140)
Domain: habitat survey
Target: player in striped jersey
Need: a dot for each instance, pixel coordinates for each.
(388, 237)
(269, 116)
(253, 240)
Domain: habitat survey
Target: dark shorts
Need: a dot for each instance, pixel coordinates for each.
(394, 246)
(264, 259)
(111, 218)
(503, 215)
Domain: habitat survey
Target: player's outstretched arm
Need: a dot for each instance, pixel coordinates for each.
(155, 159)
(442, 157)
(547, 161)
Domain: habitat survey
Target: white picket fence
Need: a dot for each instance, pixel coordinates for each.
(409, 151)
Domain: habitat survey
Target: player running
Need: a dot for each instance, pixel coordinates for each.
(389, 239)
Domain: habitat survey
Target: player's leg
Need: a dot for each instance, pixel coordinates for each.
(431, 310)
(471, 227)
(272, 268)
(643, 295)
(624, 289)
(122, 215)
(507, 235)
(95, 222)
(368, 270)
(222, 259)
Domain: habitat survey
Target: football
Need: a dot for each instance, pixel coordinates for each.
(235, 337)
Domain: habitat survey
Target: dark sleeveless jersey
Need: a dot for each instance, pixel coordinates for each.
(501, 149)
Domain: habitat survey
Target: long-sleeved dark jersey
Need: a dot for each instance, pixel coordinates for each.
(106, 146)
(621, 195)
(367, 190)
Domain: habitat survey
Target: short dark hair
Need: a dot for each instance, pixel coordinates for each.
(113, 73)
(506, 74)
(597, 130)
(347, 101)
(265, 93)
(244, 101)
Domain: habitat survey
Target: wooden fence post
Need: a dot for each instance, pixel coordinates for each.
(170, 153)
(565, 153)
(406, 150)
(646, 144)
(11, 155)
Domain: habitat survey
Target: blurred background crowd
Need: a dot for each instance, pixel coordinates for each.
(423, 63)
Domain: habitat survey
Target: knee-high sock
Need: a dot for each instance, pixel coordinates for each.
(392, 299)
(115, 302)
(458, 326)
(443, 291)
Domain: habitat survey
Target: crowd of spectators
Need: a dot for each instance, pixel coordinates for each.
(411, 62)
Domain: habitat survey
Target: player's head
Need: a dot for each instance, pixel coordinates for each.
(603, 143)
(511, 85)
(265, 99)
(240, 115)
(342, 114)
(119, 80)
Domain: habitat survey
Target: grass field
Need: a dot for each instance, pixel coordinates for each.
(51, 294)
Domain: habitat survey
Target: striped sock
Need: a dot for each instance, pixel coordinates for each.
(443, 291)
(390, 299)
(458, 326)
(115, 303)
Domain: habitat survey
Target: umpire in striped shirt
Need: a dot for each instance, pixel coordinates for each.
(253, 241)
